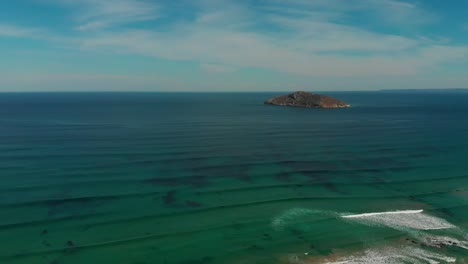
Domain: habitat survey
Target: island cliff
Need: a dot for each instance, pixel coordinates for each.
(305, 99)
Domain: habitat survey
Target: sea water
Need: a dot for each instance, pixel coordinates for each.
(149, 178)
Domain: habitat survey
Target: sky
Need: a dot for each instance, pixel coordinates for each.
(232, 45)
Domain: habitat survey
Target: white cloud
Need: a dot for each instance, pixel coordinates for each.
(216, 68)
(303, 45)
(51, 81)
(325, 36)
(100, 14)
(7, 30)
(381, 11)
(299, 38)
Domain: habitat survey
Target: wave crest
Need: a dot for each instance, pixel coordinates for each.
(413, 219)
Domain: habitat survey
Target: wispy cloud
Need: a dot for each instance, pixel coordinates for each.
(299, 44)
(299, 38)
(252, 50)
(7, 30)
(101, 14)
(217, 68)
(380, 11)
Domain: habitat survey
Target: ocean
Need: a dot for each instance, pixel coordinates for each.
(204, 178)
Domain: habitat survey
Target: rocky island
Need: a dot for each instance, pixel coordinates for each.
(305, 99)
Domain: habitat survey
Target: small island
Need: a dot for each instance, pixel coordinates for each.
(309, 100)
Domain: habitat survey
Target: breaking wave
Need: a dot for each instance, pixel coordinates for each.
(415, 223)
(414, 219)
(394, 255)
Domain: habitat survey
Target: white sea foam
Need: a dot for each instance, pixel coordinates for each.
(414, 222)
(393, 255)
(412, 219)
(291, 215)
(282, 220)
(383, 213)
(439, 241)
(404, 219)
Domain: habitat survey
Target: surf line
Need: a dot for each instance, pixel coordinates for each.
(383, 213)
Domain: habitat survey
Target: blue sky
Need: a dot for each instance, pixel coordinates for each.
(232, 45)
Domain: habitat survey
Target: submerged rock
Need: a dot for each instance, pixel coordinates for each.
(305, 99)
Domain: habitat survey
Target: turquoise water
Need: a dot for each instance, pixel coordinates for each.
(142, 178)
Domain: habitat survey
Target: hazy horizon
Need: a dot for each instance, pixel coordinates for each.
(266, 92)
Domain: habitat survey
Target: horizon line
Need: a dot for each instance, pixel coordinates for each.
(289, 91)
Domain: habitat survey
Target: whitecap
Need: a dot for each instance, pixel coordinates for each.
(412, 219)
(393, 255)
(383, 213)
(413, 222)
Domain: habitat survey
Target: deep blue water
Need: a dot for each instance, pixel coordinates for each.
(223, 178)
